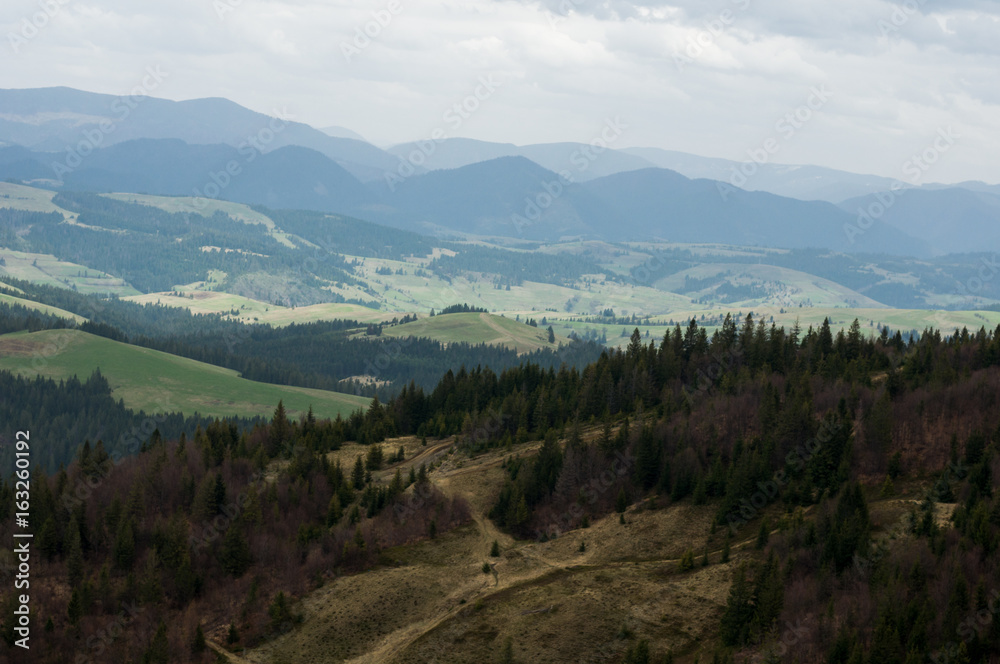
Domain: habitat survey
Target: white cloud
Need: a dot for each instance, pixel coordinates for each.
(566, 65)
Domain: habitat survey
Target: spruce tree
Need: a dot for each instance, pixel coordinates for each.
(198, 644)
(235, 554)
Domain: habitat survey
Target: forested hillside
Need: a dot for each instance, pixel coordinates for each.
(789, 434)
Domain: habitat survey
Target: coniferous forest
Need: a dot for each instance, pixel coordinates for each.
(788, 435)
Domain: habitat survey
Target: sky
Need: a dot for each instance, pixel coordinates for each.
(859, 85)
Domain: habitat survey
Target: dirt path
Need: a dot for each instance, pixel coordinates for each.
(230, 656)
(425, 455)
(504, 334)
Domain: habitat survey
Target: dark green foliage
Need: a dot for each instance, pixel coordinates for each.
(198, 644)
(235, 555)
(159, 648)
(762, 534)
(638, 653)
(280, 613)
(846, 531)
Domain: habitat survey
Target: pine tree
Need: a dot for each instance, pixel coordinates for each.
(74, 555)
(124, 546)
(159, 648)
(235, 554)
(198, 644)
(495, 549)
(762, 534)
(279, 432)
(334, 512)
(621, 503)
(74, 611)
(358, 474)
(738, 613)
(280, 613)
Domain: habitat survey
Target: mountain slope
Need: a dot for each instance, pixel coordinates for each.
(158, 382)
(662, 203)
(53, 119)
(505, 196)
(289, 177)
(951, 220)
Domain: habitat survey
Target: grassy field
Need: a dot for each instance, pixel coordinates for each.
(255, 311)
(206, 207)
(43, 308)
(478, 328)
(50, 271)
(156, 382)
(786, 287)
(841, 318)
(20, 197)
(409, 292)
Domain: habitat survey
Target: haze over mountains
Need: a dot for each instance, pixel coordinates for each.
(74, 140)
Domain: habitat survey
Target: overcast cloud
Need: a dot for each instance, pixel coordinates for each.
(708, 78)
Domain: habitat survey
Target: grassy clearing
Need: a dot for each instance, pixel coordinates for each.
(478, 328)
(206, 207)
(50, 271)
(787, 287)
(254, 311)
(42, 308)
(156, 382)
(557, 604)
(20, 197)
(430, 601)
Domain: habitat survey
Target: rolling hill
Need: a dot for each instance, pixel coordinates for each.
(477, 328)
(158, 382)
(52, 119)
(949, 220)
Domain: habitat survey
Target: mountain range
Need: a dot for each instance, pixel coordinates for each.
(75, 140)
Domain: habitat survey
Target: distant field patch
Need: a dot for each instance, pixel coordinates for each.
(154, 381)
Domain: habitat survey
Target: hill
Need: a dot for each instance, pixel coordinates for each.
(949, 220)
(50, 119)
(158, 382)
(477, 328)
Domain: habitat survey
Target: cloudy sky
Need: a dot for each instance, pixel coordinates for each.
(714, 78)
